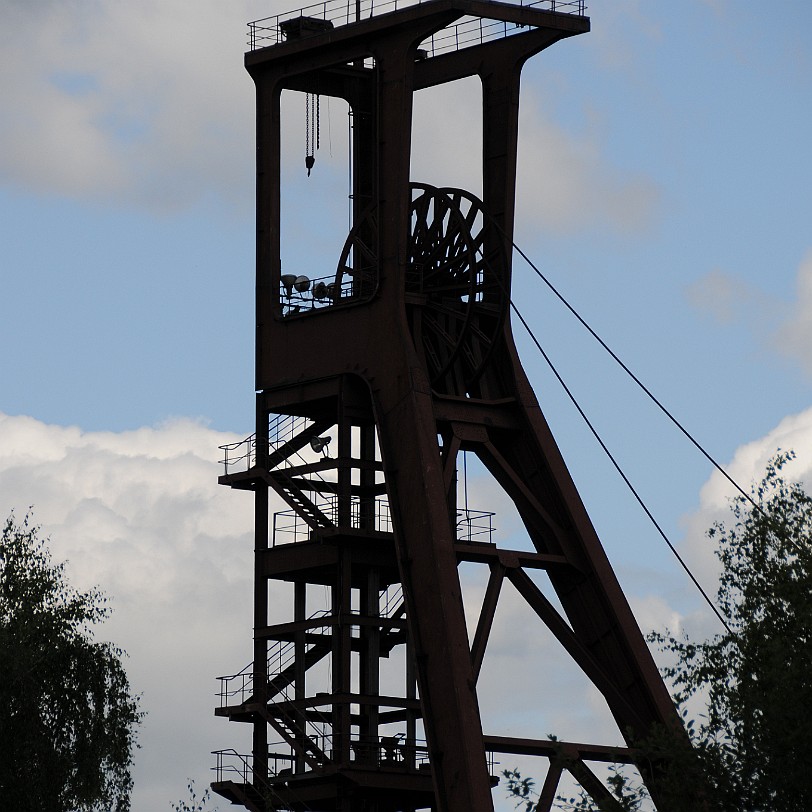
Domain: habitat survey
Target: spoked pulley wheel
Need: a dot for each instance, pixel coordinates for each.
(357, 273)
(456, 286)
(456, 282)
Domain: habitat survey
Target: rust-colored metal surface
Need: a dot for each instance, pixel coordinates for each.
(371, 381)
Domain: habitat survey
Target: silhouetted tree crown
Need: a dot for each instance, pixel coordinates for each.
(755, 735)
(67, 715)
(753, 738)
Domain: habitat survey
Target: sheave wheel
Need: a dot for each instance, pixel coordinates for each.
(457, 294)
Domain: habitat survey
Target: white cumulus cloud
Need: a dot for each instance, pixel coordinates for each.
(147, 103)
(793, 433)
(726, 298)
(140, 514)
(568, 184)
(144, 102)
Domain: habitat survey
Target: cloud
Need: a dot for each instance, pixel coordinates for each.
(529, 686)
(140, 514)
(144, 102)
(568, 184)
(522, 663)
(618, 31)
(747, 466)
(148, 104)
(784, 327)
(725, 298)
(447, 135)
(794, 337)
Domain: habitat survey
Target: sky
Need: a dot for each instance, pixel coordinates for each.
(664, 189)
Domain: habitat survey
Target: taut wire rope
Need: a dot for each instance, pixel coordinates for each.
(634, 377)
(620, 471)
(599, 439)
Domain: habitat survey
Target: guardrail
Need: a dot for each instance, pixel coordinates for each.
(289, 527)
(382, 752)
(242, 454)
(475, 525)
(269, 31)
(239, 456)
(236, 689)
(239, 768)
(233, 766)
(301, 294)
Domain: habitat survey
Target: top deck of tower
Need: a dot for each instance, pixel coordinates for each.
(468, 31)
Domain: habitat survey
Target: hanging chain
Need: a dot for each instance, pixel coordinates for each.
(307, 125)
(312, 129)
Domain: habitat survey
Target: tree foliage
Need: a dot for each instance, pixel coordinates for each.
(67, 715)
(755, 737)
(628, 794)
(753, 740)
(193, 803)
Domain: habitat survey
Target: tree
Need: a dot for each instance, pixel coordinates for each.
(193, 804)
(629, 795)
(753, 741)
(67, 716)
(755, 737)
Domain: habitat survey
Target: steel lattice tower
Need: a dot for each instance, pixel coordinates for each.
(403, 357)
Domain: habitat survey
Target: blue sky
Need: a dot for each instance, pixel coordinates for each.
(665, 189)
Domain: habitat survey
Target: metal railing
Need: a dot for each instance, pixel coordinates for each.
(268, 31)
(289, 527)
(233, 766)
(284, 427)
(242, 454)
(236, 689)
(239, 768)
(317, 730)
(475, 525)
(378, 751)
(389, 751)
(239, 456)
(301, 294)
(391, 600)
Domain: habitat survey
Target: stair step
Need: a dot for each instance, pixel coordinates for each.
(295, 497)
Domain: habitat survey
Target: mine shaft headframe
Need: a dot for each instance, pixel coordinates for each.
(416, 319)
(376, 64)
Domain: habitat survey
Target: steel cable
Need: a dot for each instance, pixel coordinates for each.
(599, 439)
(620, 470)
